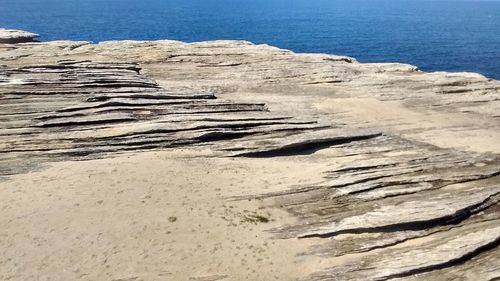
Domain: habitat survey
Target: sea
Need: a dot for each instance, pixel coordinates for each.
(435, 35)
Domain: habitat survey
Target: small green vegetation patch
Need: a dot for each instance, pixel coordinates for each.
(255, 218)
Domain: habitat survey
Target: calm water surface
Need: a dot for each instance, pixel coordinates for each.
(432, 34)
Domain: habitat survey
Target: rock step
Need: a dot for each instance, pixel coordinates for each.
(82, 108)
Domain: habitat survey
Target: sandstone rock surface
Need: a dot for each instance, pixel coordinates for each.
(401, 168)
(11, 36)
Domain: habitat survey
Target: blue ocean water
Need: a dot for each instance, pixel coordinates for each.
(435, 35)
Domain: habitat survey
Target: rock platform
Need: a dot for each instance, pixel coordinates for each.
(408, 184)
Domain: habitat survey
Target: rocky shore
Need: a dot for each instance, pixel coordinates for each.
(12, 36)
(226, 160)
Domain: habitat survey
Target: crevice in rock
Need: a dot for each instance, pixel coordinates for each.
(306, 147)
(457, 217)
(453, 262)
(85, 122)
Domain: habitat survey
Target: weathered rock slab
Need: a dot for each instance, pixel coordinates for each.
(407, 184)
(12, 36)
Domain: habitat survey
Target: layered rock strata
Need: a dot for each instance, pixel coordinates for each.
(11, 36)
(410, 167)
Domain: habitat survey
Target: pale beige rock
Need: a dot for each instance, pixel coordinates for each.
(385, 171)
(12, 36)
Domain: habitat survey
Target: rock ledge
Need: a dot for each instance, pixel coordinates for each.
(12, 36)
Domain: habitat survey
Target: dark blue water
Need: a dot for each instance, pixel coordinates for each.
(434, 35)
